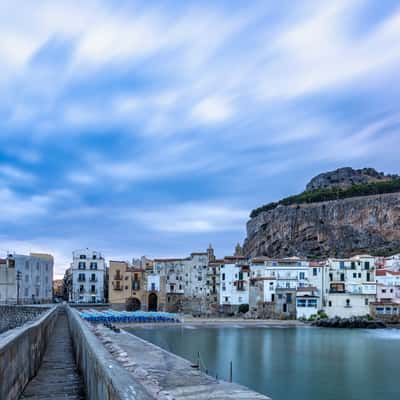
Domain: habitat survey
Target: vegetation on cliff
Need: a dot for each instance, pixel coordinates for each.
(314, 196)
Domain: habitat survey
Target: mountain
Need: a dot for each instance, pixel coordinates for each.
(341, 213)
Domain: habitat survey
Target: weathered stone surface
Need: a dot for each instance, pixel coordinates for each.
(58, 377)
(166, 375)
(346, 177)
(333, 228)
(21, 352)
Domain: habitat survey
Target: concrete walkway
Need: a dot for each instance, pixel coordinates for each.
(165, 375)
(58, 377)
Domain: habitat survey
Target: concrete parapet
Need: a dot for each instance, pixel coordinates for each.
(21, 353)
(104, 378)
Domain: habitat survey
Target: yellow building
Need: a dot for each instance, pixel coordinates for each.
(127, 287)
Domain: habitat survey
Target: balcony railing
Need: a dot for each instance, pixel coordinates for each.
(93, 279)
(117, 278)
(81, 279)
(118, 288)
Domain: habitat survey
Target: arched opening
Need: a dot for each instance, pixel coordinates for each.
(152, 302)
(132, 304)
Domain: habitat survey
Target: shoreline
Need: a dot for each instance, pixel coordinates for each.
(219, 322)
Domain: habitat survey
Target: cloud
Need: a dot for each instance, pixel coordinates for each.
(192, 218)
(212, 110)
(14, 174)
(14, 207)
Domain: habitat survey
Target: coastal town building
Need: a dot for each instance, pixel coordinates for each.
(351, 286)
(127, 286)
(8, 281)
(58, 289)
(27, 278)
(275, 284)
(234, 283)
(185, 281)
(85, 279)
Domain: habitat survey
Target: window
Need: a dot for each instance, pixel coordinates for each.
(37, 292)
(26, 292)
(81, 265)
(359, 275)
(180, 287)
(347, 302)
(301, 303)
(94, 256)
(302, 275)
(82, 257)
(223, 276)
(93, 288)
(26, 265)
(93, 265)
(314, 271)
(383, 290)
(353, 265)
(354, 275)
(329, 303)
(288, 298)
(153, 286)
(366, 302)
(366, 265)
(342, 277)
(37, 266)
(341, 264)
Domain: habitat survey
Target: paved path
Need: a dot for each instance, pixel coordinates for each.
(57, 377)
(165, 375)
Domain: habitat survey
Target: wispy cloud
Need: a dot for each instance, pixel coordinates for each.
(190, 218)
(183, 117)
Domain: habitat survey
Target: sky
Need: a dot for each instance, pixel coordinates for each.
(154, 128)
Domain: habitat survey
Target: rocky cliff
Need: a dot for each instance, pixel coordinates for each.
(346, 177)
(337, 228)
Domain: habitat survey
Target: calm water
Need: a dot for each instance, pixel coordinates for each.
(294, 363)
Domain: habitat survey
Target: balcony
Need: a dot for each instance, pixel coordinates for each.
(118, 288)
(81, 279)
(117, 278)
(93, 280)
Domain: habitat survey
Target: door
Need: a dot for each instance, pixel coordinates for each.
(152, 302)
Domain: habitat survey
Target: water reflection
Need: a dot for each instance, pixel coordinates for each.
(286, 363)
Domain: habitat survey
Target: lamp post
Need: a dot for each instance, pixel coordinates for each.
(19, 277)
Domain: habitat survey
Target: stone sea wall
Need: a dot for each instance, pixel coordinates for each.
(21, 353)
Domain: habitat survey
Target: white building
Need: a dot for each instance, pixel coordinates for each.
(276, 282)
(234, 283)
(185, 280)
(87, 275)
(350, 286)
(8, 281)
(34, 277)
(388, 285)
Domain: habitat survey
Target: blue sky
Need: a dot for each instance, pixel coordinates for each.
(139, 127)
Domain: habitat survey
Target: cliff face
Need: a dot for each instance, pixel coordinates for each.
(341, 228)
